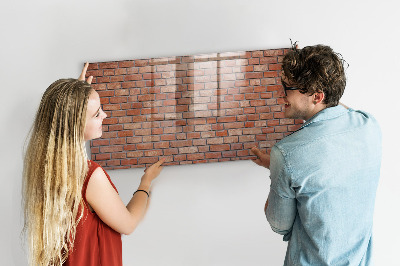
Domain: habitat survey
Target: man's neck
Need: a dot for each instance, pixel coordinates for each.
(318, 108)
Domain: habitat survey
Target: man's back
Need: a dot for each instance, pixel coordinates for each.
(329, 171)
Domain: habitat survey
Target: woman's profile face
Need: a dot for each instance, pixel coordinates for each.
(94, 117)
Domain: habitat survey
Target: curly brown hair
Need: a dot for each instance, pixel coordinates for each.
(316, 69)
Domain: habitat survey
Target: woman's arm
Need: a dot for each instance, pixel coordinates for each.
(108, 205)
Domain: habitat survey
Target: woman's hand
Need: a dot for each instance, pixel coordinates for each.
(152, 172)
(83, 74)
(263, 159)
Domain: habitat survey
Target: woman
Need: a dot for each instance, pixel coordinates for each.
(73, 213)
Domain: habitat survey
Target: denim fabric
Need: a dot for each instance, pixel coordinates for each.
(324, 178)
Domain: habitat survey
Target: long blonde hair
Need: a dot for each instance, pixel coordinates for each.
(55, 167)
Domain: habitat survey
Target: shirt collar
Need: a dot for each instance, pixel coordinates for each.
(326, 114)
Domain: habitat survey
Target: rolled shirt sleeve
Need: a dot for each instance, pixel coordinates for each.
(281, 210)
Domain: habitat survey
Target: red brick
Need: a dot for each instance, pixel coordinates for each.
(229, 105)
(99, 87)
(147, 160)
(270, 74)
(249, 124)
(213, 155)
(116, 78)
(258, 102)
(199, 142)
(234, 132)
(93, 66)
(132, 70)
(94, 73)
(126, 64)
(193, 157)
(266, 95)
(103, 156)
(253, 75)
(268, 81)
(188, 150)
(274, 136)
(222, 133)
(134, 112)
(106, 149)
(211, 120)
(219, 126)
(144, 146)
(193, 135)
(279, 115)
(129, 162)
(125, 133)
(180, 143)
(236, 146)
(274, 52)
(261, 137)
(102, 79)
(286, 121)
(105, 93)
(249, 110)
(115, 127)
(168, 137)
(229, 154)
(243, 153)
(153, 153)
(171, 151)
(202, 127)
(120, 71)
(100, 142)
(255, 82)
(113, 86)
(108, 72)
(113, 162)
(268, 60)
(109, 121)
(232, 139)
(222, 147)
(275, 66)
(133, 77)
(139, 118)
(109, 135)
(226, 119)
(234, 125)
(254, 61)
(204, 148)
(141, 132)
(119, 155)
(247, 138)
(118, 141)
(208, 134)
(161, 145)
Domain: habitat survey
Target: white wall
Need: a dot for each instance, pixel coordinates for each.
(208, 214)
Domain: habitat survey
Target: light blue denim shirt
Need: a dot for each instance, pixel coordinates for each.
(324, 178)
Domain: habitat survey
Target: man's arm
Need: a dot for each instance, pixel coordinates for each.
(280, 208)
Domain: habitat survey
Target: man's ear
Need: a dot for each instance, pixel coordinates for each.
(318, 97)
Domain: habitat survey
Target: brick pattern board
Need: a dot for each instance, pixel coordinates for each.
(190, 109)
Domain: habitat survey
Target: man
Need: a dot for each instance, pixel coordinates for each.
(323, 176)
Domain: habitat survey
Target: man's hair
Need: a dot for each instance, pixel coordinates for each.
(316, 69)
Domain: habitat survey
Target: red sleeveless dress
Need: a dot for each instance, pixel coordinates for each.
(95, 242)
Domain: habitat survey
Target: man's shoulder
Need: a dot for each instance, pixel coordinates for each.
(326, 126)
